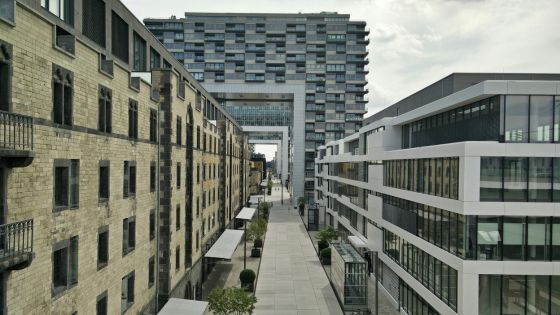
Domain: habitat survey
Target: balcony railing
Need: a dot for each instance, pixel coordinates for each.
(16, 132)
(16, 244)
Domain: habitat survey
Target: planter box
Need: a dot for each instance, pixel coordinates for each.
(249, 287)
(326, 260)
(256, 252)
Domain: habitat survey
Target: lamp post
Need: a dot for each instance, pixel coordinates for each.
(245, 245)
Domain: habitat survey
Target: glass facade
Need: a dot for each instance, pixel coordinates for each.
(349, 170)
(434, 274)
(520, 179)
(435, 176)
(518, 294)
(413, 303)
(506, 118)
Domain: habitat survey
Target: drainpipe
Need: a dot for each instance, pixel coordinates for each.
(157, 214)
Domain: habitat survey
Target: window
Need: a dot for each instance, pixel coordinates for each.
(129, 235)
(541, 117)
(198, 173)
(197, 240)
(132, 119)
(105, 110)
(119, 37)
(101, 305)
(153, 176)
(64, 9)
(179, 130)
(155, 59)
(104, 181)
(197, 206)
(93, 21)
(127, 293)
(62, 86)
(65, 265)
(198, 137)
(178, 217)
(66, 184)
(139, 53)
(178, 177)
(5, 75)
(153, 125)
(151, 271)
(102, 247)
(129, 182)
(177, 258)
(8, 10)
(199, 76)
(152, 224)
(516, 123)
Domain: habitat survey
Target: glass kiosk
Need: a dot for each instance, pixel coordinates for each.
(349, 277)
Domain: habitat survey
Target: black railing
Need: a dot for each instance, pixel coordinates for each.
(16, 239)
(16, 131)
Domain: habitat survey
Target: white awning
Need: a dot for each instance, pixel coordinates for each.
(225, 245)
(255, 198)
(246, 213)
(357, 242)
(181, 306)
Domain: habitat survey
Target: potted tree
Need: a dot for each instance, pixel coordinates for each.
(325, 236)
(247, 278)
(231, 301)
(256, 231)
(269, 186)
(301, 205)
(326, 256)
(265, 208)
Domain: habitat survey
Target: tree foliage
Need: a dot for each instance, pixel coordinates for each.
(225, 301)
(256, 229)
(327, 234)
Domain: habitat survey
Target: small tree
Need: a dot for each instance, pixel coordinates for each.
(327, 234)
(301, 205)
(256, 229)
(231, 301)
(265, 208)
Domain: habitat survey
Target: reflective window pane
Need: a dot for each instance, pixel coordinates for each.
(537, 238)
(515, 179)
(490, 178)
(540, 179)
(488, 238)
(514, 236)
(516, 118)
(537, 295)
(513, 295)
(541, 119)
(489, 290)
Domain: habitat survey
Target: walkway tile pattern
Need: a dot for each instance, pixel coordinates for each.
(291, 279)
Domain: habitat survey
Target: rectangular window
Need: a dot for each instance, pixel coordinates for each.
(101, 305)
(127, 293)
(151, 271)
(93, 21)
(119, 37)
(66, 184)
(63, 90)
(152, 224)
(153, 125)
(516, 118)
(105, 112)
(178, 217)
(132, 119)
(129, 235)
(178, 177)
(104, 181)
(152, 176)
(515, 179)
(65, 265)
(491, 179)
(177, 258)
(540, 179)
(103, 247)
(541, 117)
(8, 10)
(155, 59)
(64, 9)
(179, 130)
(129, 179)
(139, 53)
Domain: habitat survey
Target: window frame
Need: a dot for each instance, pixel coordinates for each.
(130, 242)
(62, 81)
(67, 246)
(73, 167)
(100, 263)
(105, 106)
(104, 164)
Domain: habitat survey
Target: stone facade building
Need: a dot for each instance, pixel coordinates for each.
(113, 163)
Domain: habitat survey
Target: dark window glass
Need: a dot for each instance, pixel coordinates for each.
(104, 182)
(62, 95)
(119, 37)
(153, 125)
(155, 59)
(7, 10)
(178, 217)
(102, 249)
(152, 177)
(129, 235)
(177, 258)
(178, 176)
(65, 265)
(93, 21)
(129, 179)
(139, 53)
(61, 186)
(541, 118)
(489, 292)
(101, 305)
(105, 110)
(151, 271)
(513, 294)
(516, 118)
(179, 130)
(152, 224)
(556, 180)
(133, 119)
(127, 292)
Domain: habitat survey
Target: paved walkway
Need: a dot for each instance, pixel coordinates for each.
(291, 279)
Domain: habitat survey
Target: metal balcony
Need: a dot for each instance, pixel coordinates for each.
(16, 139)
(16, 245)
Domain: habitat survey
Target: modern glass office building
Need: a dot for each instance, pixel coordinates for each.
(319, 58)
(456, 188)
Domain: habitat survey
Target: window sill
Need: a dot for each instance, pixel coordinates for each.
(103, 202)
(11, 23)
(64, 51)
(101, 265)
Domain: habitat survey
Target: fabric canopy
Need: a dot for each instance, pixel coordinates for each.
(246, 214)
(357, 242)
(181, 306)
(225, 245)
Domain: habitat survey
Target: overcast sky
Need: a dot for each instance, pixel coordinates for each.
(413, 43)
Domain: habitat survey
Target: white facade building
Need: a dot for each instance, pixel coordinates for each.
(458, 194)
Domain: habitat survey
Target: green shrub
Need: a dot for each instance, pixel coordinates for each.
(247, 276)
(322, 244)
(327, 234)
(326, 253)
(258, 243)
